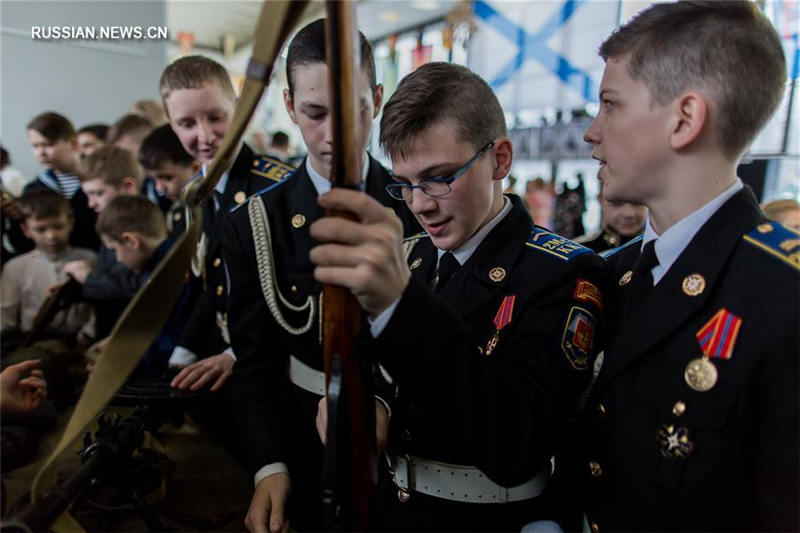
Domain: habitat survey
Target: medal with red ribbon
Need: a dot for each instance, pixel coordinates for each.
(501, 320)
(717, 339)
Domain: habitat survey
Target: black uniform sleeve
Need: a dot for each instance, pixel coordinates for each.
(110, 280)
(259, 382)
(505, 411)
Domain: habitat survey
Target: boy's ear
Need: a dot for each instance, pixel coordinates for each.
(131, 239)
(691, 112)
(289, 103)
(503, 157)
(377, 100)
(73, 143)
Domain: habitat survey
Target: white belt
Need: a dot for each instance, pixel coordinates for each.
(460, 483)
(306, 377)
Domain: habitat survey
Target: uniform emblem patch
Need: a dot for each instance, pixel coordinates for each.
(587, 291)
(577, 340)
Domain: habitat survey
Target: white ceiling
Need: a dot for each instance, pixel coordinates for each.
(209, 20)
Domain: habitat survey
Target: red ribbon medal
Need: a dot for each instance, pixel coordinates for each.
(501, 320)
(718, 336)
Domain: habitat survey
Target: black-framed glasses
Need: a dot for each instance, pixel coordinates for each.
(435, 187)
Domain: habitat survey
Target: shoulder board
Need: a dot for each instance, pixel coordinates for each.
(608, 253)
(416, 237)
(267, 167)
(555, 245)
(269, 188)
(777, 240)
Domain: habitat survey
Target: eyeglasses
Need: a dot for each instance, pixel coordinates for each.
(435, 187)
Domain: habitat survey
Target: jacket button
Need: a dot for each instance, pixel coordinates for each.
(403, 495)
(594, 527)
(405, 436)
(601, 410)
(595, 469)
(679, 408)
(220, 290)
(217, 262)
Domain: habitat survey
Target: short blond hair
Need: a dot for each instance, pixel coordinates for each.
(112, 165)
(193, 72)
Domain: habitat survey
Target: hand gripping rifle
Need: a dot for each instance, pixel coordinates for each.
(349, 469)
(148, 311)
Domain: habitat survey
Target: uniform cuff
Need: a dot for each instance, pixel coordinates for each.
(270, 469)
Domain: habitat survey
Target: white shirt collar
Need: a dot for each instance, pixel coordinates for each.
(671, 244)
(323, 184)
(465, 251)
(223, 180)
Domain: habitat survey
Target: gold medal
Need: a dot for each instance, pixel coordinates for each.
(239, 197)
(701, 374)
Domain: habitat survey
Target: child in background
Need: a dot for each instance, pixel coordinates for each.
(47, 221)
(135, 230)
(170, 166)
(53, 143)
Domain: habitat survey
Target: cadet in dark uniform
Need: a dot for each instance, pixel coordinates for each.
(621, 222)
(486, 324)
(199, 99)
(694, 416)
(274, 308)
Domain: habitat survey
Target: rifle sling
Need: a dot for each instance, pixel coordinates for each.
(148, 311)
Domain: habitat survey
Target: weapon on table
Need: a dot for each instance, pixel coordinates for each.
(349, 469)
(109, 458)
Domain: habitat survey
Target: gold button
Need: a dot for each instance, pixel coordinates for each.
(239, 197)
(679, 408)
(294, 288)
(601, 410)
(220, 290)
(298, 221)
(217, 262)
(595, 469)
(595, 527)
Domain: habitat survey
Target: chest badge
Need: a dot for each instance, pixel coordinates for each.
(626, 278)
(298, 221)
(673, 442)
(694, 285)
(497, 274)
(239, 197)
(415, 263)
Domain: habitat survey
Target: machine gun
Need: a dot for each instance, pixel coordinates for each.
(106, 460)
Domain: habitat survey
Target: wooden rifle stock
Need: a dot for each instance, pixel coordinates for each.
(349, 471)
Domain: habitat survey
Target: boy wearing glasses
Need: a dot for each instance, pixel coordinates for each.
(487, 324)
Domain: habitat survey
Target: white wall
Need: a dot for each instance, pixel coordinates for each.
(87, 81)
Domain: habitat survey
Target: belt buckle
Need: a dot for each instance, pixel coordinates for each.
(403, 493)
